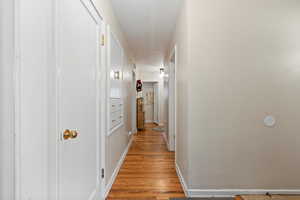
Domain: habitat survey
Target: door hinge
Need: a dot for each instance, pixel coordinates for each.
(102, 40)
(102, 173)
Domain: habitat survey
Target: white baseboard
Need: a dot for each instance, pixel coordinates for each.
(227, 192)
(148, 121)
(166, 140)
(182, 181)
(93, 195)
(116, 171)
(234, 192)
(134, 131)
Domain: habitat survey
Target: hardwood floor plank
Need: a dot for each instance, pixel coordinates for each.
(148, 171)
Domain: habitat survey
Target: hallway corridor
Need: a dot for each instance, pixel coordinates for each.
(148, 171)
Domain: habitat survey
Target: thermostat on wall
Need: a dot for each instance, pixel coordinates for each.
(269, 121)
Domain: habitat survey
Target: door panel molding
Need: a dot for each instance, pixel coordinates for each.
(31, 37)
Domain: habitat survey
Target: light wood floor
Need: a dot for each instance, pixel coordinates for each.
(148, 172)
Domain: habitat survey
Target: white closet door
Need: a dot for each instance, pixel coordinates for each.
(148, 95)
(78, 36)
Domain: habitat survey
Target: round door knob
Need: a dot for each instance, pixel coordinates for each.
(74, 134)
(67, 134)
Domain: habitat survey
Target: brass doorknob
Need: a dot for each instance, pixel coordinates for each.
(74, 134)
(70, 134)
(67, 134)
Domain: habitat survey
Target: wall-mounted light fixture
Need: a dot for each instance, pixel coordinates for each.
(117, 75)
(162, 70)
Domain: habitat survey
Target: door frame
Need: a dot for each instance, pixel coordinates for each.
(173, 96)
(102, 101)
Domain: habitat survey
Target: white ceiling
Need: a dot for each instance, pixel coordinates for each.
(148, 26)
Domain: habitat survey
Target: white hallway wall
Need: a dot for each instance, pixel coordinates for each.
(181, 38)
(238, 61)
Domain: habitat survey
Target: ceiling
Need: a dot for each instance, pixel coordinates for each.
(148, 26)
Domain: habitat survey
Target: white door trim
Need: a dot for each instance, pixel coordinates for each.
(101, 96)
(173, 96)
(17, 100)
(7, 62)
(102, 79)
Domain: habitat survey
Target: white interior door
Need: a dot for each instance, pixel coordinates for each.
(148, 95)
(78, 58)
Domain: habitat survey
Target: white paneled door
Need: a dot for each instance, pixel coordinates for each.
(148, 95)
(78, 36)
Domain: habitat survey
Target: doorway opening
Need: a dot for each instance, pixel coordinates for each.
(151, 101)
(152, 154)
